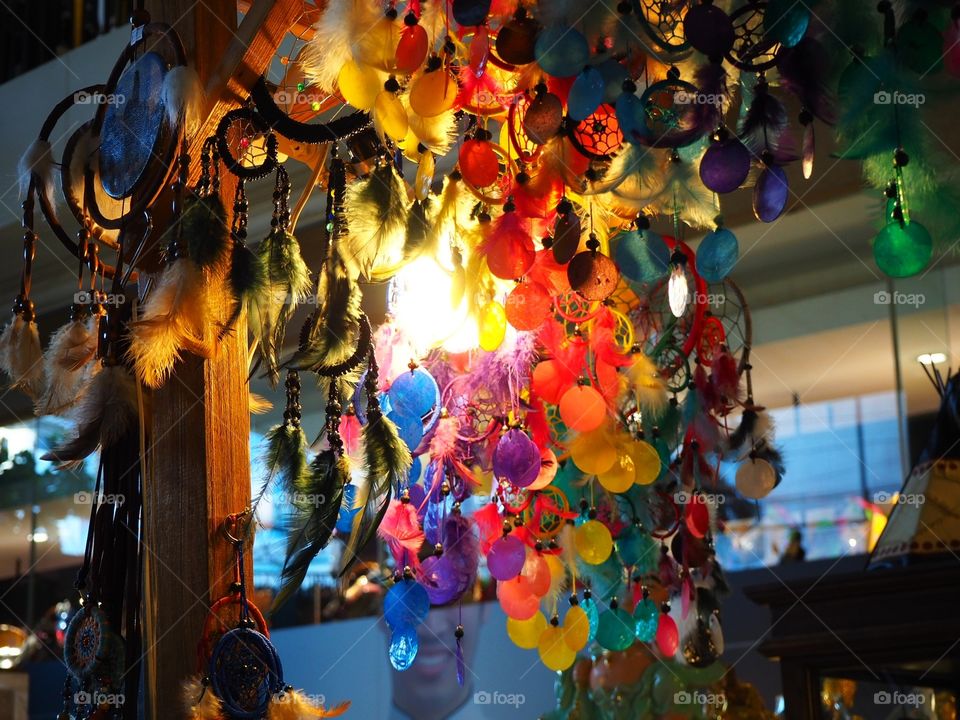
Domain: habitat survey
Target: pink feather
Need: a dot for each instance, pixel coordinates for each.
(400, 529)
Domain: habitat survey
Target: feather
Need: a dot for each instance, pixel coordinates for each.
(433, 19)
(685, 193)
(286, 284)
(437, 133)
(342, 24)
(319, 495)
(246, 280)
(636, 174)
(725, 377)
(647, 384)
(70, 349)
(400, 529)
(21, 355)
(205, 231)
(199, 702)
(376, 214)
(183, 99)
(443, 444)
(711, 81)
(766, 451)
(388, 462)
(175, 317)
(331, 332)
(105, 414)
(37, 162)
(765, 126)
(568, 546)
(755, 426)
(286, 458)
(258, 404)
(293, 704)
(804, 71)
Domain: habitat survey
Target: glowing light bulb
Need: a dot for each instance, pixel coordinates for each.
(678, 291)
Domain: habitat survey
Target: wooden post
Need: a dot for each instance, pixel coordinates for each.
(198, 455)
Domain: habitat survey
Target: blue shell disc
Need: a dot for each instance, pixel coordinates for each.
(404, 645)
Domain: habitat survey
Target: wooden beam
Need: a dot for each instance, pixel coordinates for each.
(198, 456)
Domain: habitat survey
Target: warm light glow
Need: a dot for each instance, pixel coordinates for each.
(931, 358)
(678, 291)
(419, 303)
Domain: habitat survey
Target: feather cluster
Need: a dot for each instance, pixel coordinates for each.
(329, 336)
(286, 282)
(766, 127)
(21, 355)
(68, 365)
(341, 27)
(388, 462)
(105, 414)
(175, 317)
(400, 530)
(376, 214)
(295, 705)
(199, 702)
(317, 496)
(648, 386)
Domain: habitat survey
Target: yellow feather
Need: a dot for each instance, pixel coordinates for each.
(199, 702)
(295, 705)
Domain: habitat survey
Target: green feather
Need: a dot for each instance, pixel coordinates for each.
(245, 280)
(387, 462)
(286, 283)
(286, 457)
(205, 229)
(317, 501)
(376, 215)
(330, 335)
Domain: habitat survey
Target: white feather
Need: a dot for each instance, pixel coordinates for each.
(37, 161)
(343, 24)
(70, 349)
(183, 98)
(22, 355)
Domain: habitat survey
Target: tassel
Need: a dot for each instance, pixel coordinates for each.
(182, 98)
(21, 355)
(388, 463)
(286, 284)
(376, 214)
(37, 162)
(318, 496)
(293, 704)
(69, 351)
(205, 229)
(199, 702)
(105, 414)
(174, 318)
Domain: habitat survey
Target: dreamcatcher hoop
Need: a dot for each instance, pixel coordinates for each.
(124, 142)
(602, 122)
(752, 51)
(662, 20)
